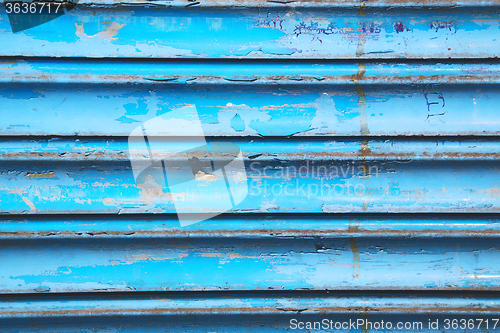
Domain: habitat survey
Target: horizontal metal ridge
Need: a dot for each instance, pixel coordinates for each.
(262, 225)
(258, 150)
(248, 294)
(51, 265)
(253, 110)
(292, 3)
(314, 186)
(249, 304)
(245, 72)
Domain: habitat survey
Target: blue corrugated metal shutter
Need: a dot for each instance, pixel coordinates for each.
(369, 136)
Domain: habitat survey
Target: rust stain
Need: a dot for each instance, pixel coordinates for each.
(365, 151)
(134, 258)
(364, 130)
(361, 99)
(292, 3)
(353, 229)
(364, 315)
(472, 309)
(240, 256)
(363, 119)
(473, 77)
(41, 175)
(336, 287)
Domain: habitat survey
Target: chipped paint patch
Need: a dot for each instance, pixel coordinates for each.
(110, 32)
(154, 193)
(30, 204)
(204, 176)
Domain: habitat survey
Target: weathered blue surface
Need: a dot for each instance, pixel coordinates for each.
(259, 150)
(237, 322)
(283, 176)
(269, 99)
(248, 72)
(369, 135)
(251, 226)
(241, 312)
(413, 4)
(328, 186)
(58, 265)
(249, 33)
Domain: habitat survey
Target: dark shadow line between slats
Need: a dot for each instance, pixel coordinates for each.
(243, 216)
(488, 294)
(427, 61)
(400, 138)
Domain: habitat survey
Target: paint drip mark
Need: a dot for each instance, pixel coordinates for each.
(30, 204)
(363, 123)
(361, 99)
(356, 263)
(364, 328)
(365, 151)
(355, 258)
(360, 49)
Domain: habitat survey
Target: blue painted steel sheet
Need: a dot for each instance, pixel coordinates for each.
(332, 176)
(367, 133)
(111, 98)
(195, 264)
(302, 33)
(250, 226)
(250, 312)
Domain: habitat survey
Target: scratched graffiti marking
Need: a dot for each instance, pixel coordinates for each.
(400, 27)
(438, 25)
(318, 29)
(435, 104)
(314, 28)
(272, 20)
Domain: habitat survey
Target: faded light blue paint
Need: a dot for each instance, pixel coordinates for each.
(369, 135)
(297, 33)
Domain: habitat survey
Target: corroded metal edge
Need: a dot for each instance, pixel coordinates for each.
(292, 3)
(248, 304)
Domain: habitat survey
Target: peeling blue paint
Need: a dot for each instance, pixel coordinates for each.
(369, 136)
